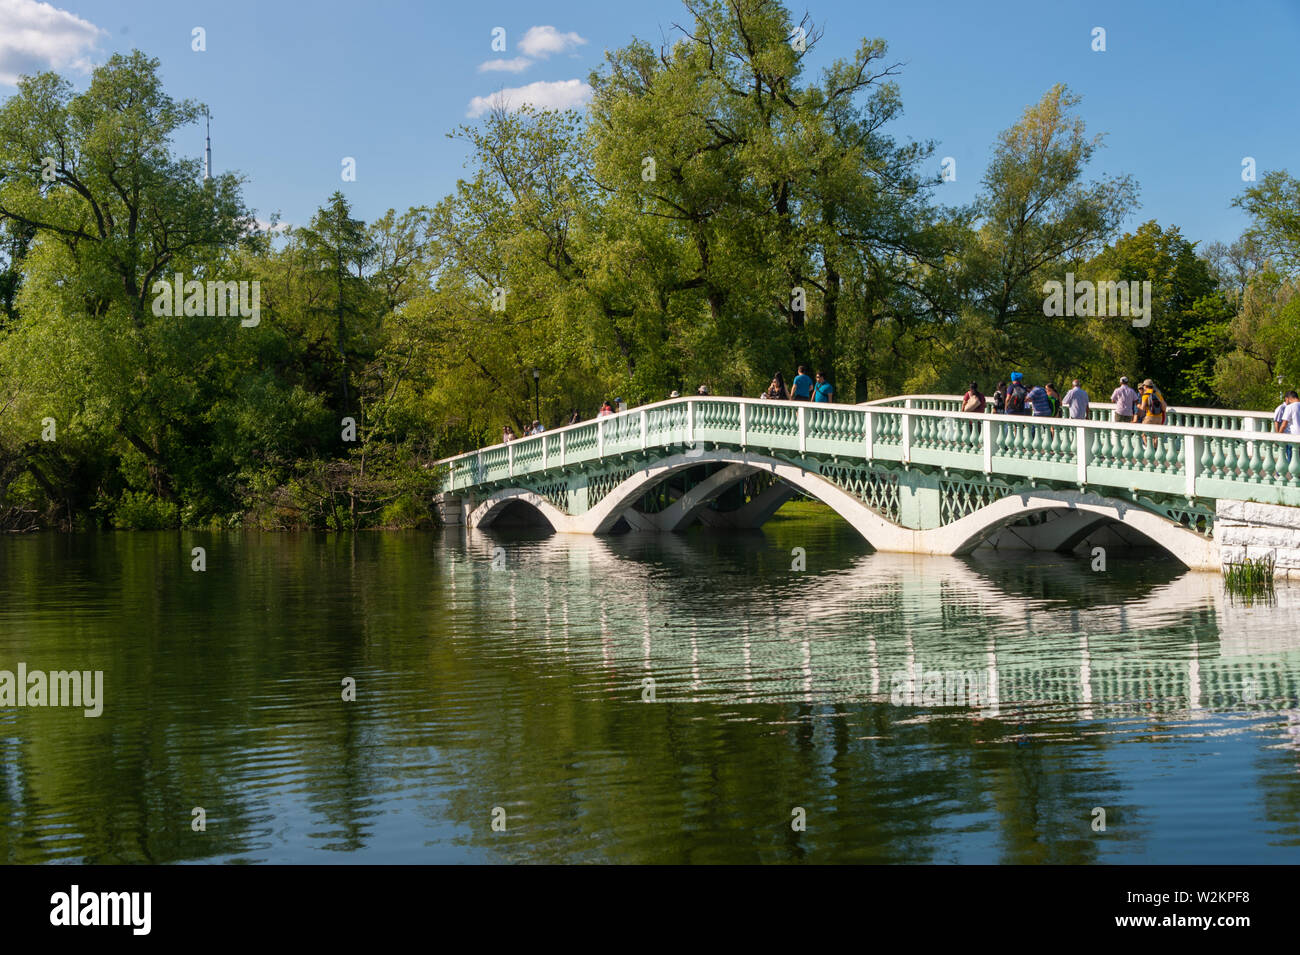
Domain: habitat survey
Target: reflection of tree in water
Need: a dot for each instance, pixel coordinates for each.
(521, 688)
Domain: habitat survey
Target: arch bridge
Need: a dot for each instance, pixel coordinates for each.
(911, 474)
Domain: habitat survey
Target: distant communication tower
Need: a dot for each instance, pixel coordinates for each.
(207, 149)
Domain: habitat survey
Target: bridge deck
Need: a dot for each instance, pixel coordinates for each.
(1205, 455)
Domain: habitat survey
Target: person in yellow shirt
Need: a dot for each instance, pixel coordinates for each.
(1151, 408)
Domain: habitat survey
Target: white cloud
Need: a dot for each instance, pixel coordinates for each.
(516, 65)
(264, 225)
(544, 41)
(36, 36)
(562, 94)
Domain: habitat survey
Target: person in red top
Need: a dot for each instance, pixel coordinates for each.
(973, 402)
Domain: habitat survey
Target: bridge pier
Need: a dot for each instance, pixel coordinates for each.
(920, 500)
(453, 509)
(1250, 530)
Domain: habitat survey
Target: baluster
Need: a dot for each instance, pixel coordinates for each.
(1255, 464)
(1293, 469)
(1133, 451)
(1146, 455)
(1268, 463)
(1242, 462)
(1099, 449)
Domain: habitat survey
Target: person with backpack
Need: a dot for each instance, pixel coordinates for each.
(1038, 402)
(1000, 398)
(1016, 395)
(1151, 408)
(1053, 400)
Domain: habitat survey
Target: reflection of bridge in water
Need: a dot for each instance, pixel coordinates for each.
(861, 631)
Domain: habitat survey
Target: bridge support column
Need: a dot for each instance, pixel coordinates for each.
(577, 497)
(919, 499)
(1245, 529)
(755, 513)
(453, 508)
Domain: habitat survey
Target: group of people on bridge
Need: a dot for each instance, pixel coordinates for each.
(1142, 405)
(1043, 401)
(804, 387)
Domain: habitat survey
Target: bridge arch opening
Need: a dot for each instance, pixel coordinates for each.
(519, 513)
(1068, 521)
(516, 508)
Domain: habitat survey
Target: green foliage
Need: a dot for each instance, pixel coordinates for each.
(1189, 318)
(716, 215)
(141, 511)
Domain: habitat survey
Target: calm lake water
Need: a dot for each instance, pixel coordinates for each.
(906, 709)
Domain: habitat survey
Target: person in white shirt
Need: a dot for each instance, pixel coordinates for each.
(1125, 399)
(1076, 400)
(1288, 421)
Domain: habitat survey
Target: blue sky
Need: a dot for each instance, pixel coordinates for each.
(1184, 91)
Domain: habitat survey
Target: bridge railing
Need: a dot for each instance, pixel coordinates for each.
(1186, 461)
(1220, 419)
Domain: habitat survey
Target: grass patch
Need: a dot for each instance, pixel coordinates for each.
(1251, 579)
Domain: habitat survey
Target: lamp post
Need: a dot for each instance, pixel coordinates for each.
(537, 396)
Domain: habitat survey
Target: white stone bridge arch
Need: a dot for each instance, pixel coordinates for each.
(1082, 511)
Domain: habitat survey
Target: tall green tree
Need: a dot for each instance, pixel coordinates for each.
(1038, 217)
(1188, 326)
(109, 210)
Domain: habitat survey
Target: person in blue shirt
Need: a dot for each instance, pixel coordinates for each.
(824, 391)
(1038, 400)
(802, 386)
